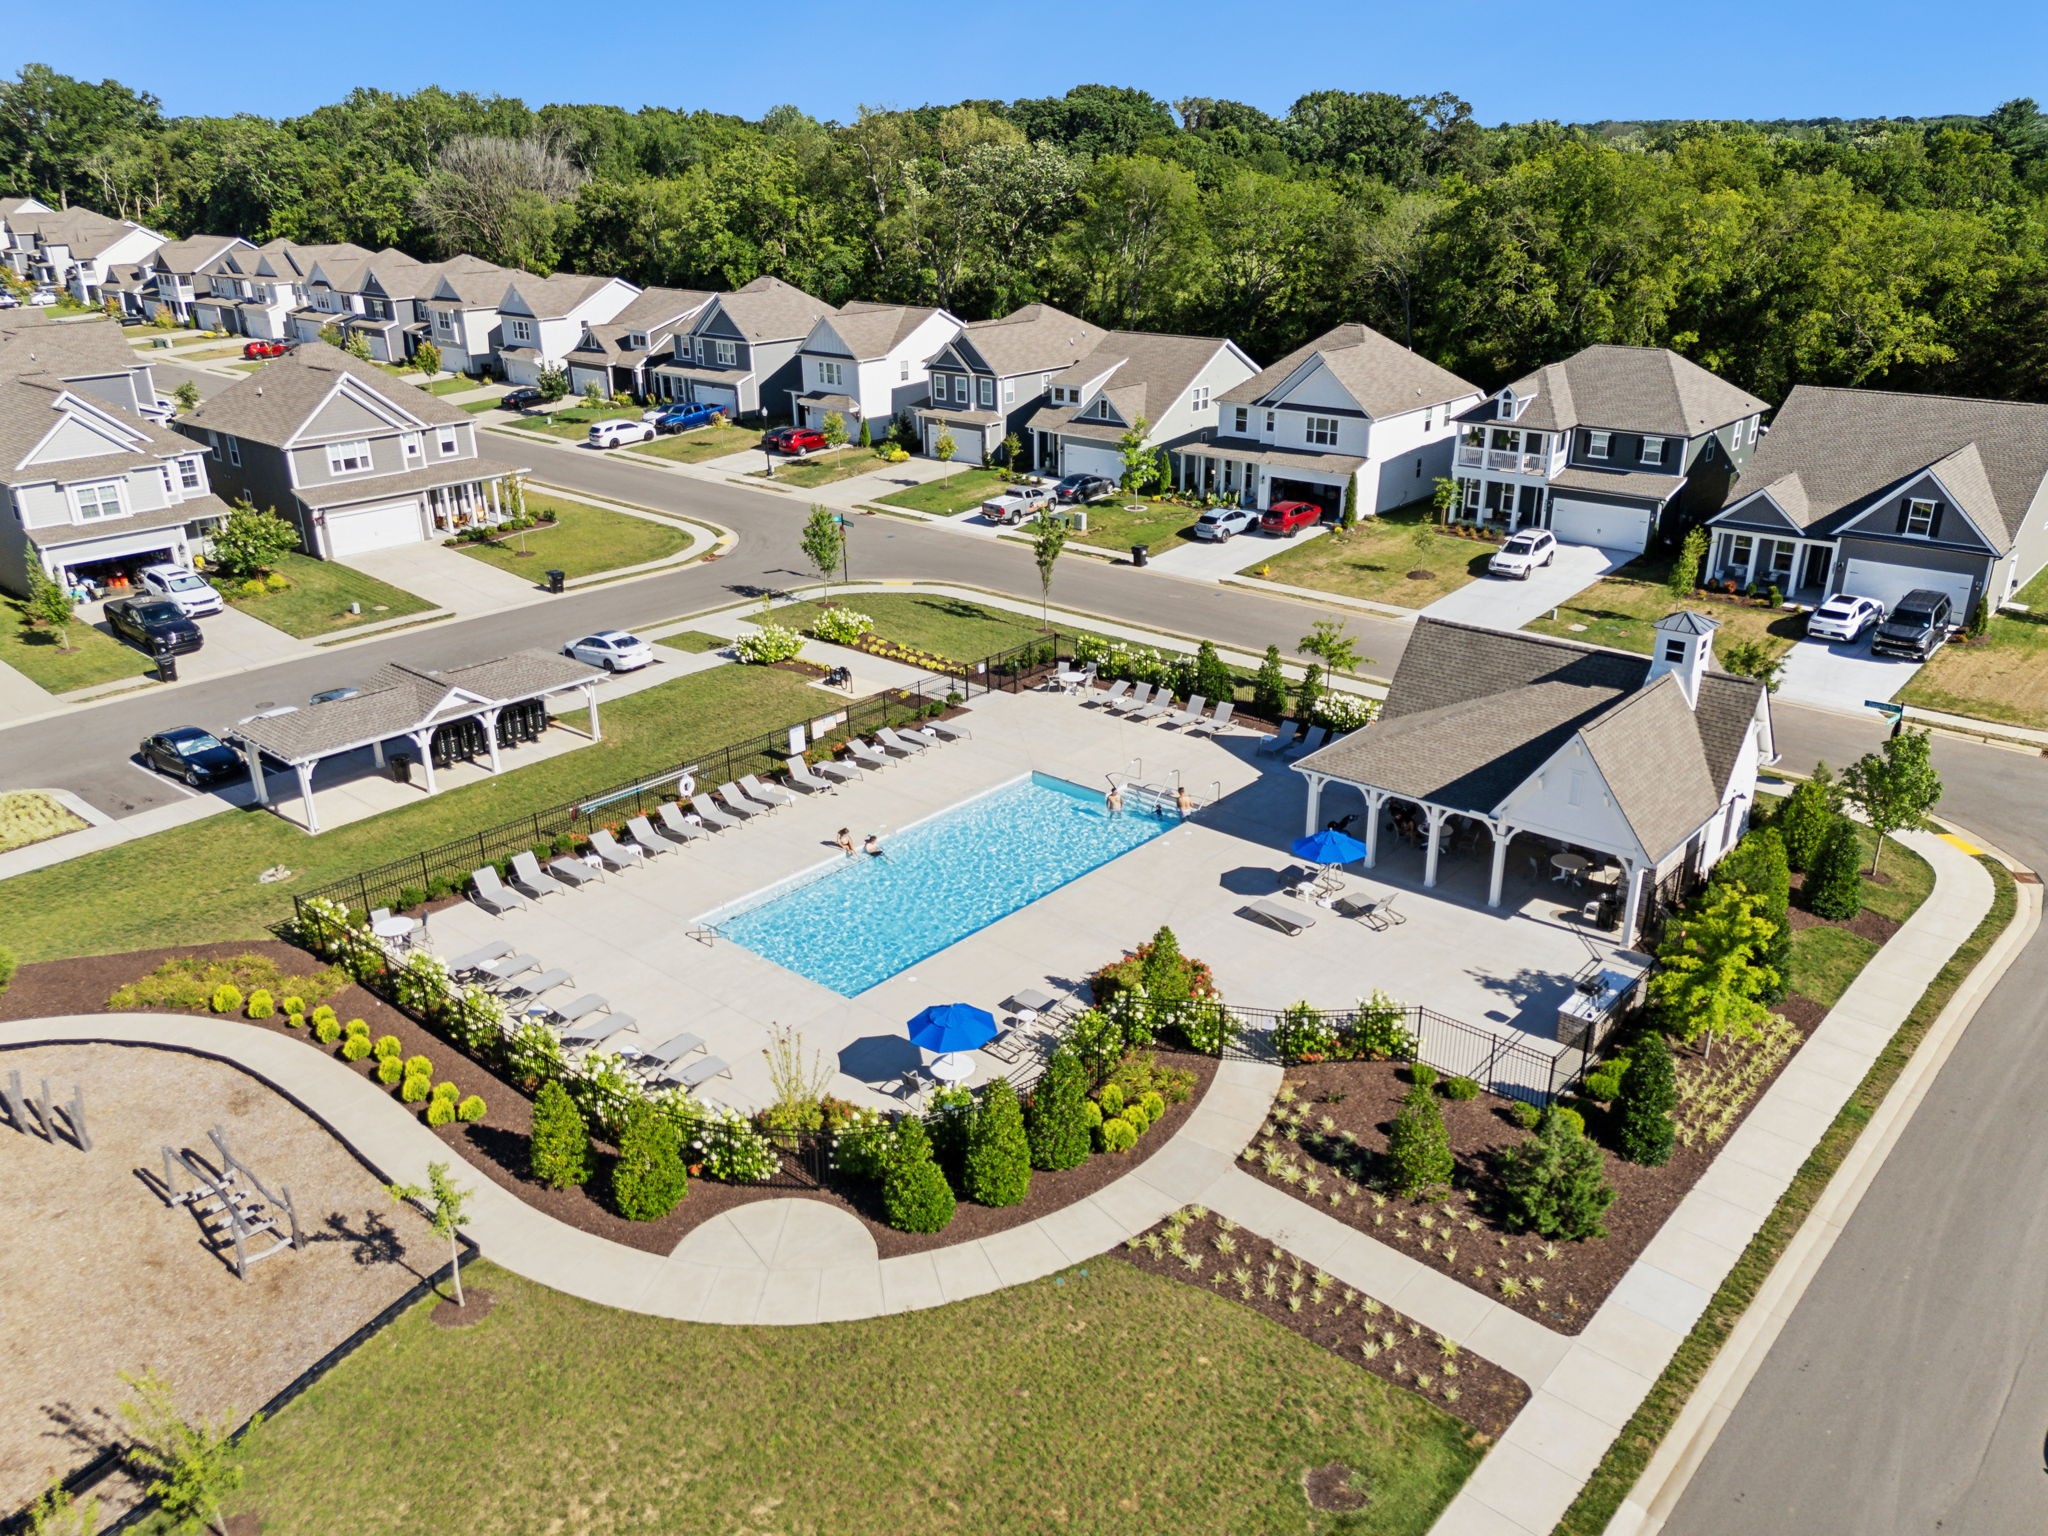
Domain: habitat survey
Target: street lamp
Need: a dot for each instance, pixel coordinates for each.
(845, 562)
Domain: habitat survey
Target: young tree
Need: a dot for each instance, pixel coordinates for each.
(1213, 679)
(1834, 882)
(1269, 687)
(357, 346)
(1894, 786)
(445, 1203)
(56, 1513)
(824, 542)
(1013, 450)
(187, 396)
(248, 542)
(915, 1195)
(834, 429)
(1649, 1092)
(333, 335)
(1308, 693)
(427, 358)
(552, 382)
(1757, 864)
(1807, 815)
(1048, 539)
(867, 437)
(650, 1176)
(1332, 643)
(1349, 519)
(1443, 497)
(558, 1151)
(1419, 1160)
(191, 1467)
(1138, 459)
(49, 603)
(1052, 1120)
(1709, 978)
(1556, 1182)
(998, 1154)
(1760, 659)
(944, 449)
(1685, 570)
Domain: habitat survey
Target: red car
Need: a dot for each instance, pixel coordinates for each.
(262, 349)
(794, 440)
(1285, 518)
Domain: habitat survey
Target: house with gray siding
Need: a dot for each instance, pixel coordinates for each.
(74, 249)
(177, 271)
(255, 292)
(462, 317)
(617, 354)
(865, 362)
(1614, 447)
(740, 352)
(988, 380)
(1876, 494)
(89, 355)
(1163, 386)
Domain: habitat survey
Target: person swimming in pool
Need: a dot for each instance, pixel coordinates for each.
(873, 847)
(1113, 802)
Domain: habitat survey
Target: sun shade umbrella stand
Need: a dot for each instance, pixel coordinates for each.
(949, 1031)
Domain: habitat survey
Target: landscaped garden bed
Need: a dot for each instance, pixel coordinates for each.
(30, 816)
(1214, 1254)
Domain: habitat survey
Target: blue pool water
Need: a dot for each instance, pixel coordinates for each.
(943, 879)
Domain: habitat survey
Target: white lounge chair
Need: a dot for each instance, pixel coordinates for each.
(901, 745)
(947, 730)
(491, 894)
(597, 1029)
(1273, 915)
(527, 988)
(767, 794)
(866, 755)
(801, 776)
(1217, 723)
(838, 772)
(647, 839)
(678, 827)
(1134, 701)
(698, 1072)
(1192, 715)
(479, 957)
(1113, 697)
(528, 879)
(737, 802)
(1162, 701)
(573, 871)
(615, 854)
(497, 972)
(714, 818)
(566, 1014)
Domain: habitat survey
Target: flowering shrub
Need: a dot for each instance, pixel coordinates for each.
(841, 626)
(603, 1092)
(533, 1054)
(768, 644)
(321, 923)
(732, 1150)
(1113, 659)
(1343, 712)
(421, 986)
(476, 1019)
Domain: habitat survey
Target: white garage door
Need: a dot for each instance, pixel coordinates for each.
(1093, 459)
(1600, 524)
(726, 400)
(581, 378)
(378, 527)
(1888, 583)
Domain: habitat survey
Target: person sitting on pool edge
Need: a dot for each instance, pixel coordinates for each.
(873, 846)
(846, 839)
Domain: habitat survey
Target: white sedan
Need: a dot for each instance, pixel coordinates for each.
(1523, 553)
(1843, 617)
(612, 649)
(1221, 523)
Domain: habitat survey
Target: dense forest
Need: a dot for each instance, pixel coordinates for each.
(1906, 253)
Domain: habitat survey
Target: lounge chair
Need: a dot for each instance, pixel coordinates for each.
(1273, 915)
(479, 957)
(1316, 736)
(901, 745)
(714, 818)
(490, 892)
(647, 839)
(698, 1072)
(677, 827)
(1192, 715)
(1162, 701)
(801, 776)
(1114, 696)
(1134, 701)
(767, 794)
(528, 879)
(573, 872)
(614, 853)
(838, 772)
(1280, 740)
(497, 972)
(597, 1029)
(1387, 910)
(586, 1006)
(946, 730)
(1364, 909)
(527, 988)
(1217, 723)
(866, 755)
(736, 801)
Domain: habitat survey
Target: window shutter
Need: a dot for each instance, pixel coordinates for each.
(1905, 511)
(1934, 524)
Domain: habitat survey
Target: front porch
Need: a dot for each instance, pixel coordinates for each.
(1497, 506)
(1800, 568)
(1253, 474)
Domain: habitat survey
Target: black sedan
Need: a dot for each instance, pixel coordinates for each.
(198, 757)
(154, 625)
(524, 399)
(1083, 489)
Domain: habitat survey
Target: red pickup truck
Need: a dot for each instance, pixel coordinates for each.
(1286, 518)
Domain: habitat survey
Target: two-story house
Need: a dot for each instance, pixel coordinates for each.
(1874, 493)
(1166, 385)
(1609, 447)
(865, 362)
(355, 459)
(616, 354)
(740, 353)
(461, 312)
(388, 303)
(987, 381)
(1353, 413)
(89, 355)
(75, 249)
(90, 492)
(542, 318)
(255, 293)
(17, 231)
(178, 268)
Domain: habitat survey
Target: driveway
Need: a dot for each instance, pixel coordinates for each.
(1212, 562)
(1494, 604)
(1841, 675)
(447, 578)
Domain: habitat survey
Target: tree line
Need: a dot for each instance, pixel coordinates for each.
(1911, 254)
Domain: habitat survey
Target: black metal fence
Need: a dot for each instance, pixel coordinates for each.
(1498, 1062)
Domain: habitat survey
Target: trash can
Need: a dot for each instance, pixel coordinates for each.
(555, 580)
(401, 767)
(166, 667)
(1139, 552)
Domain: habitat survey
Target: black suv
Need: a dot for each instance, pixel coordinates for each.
(155, 625)
(1083, 488)
(1916, 626)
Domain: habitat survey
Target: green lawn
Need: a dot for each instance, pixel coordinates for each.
(1105, 1400)
(703, 443)
(583, 541)
(478, 407)
(87, 656)
(945, 626)
(317, 602)
(573, 422)
(1824, 959)
(2003, 676)
(455, 384)
(1400, 557)
(197, 883)
(1618, 611)
(822, 468)
(955, 493)
(1159, 525)
(695, 641)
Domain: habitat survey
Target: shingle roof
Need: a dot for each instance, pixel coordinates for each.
(193, 509)
(1249, 450)
(272, 404)
(551, 298)
(194, 252)
(1628, 389)
(68, 349)
(85, 232)
(1618, 482)
(1034, 339)
(1831, 452)
(652, 307)
(873, 330)
(31, 405)
(340, 493)
(1384, 377)
(1146, 372)
(768, 309)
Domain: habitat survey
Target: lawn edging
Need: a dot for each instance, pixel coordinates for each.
(1647, 1453)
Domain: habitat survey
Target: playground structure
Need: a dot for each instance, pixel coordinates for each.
(53, 1122)
(233, 1206)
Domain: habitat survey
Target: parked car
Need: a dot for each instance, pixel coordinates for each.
(684, 415)
(155, 624)
(793, 440)
(610, 434)
(1284, 519)
(194, 755)
(524, 398)
(1019, 504)
(1844, 616)
(1917, 627)
(612, 649)
(1081, 489)
(261, 349)
(183, 586)
(42, 298)
(1523, 553)
(8, 300)
(333, 695)
(1219, 523)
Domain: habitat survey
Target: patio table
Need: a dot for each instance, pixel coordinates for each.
(399, 930)
(1033, 1001)
(1569, 866)
(956, 1068)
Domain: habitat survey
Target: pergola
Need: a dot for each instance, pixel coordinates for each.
(401, 703)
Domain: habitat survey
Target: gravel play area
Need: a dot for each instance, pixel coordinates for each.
(100, 1276)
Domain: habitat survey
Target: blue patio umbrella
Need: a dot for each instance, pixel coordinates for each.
(945, 1028)
(1328, 847)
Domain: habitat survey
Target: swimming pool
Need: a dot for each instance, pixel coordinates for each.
(866, 919)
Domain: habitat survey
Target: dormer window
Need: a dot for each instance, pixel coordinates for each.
(637, 340)
(1596, 445)
(1511, 405)
(1920, 516)
(1653, 450)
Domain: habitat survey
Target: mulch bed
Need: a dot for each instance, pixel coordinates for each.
(1476, 1391)
(475, 1308)
(1866, 924)
(496, 1146)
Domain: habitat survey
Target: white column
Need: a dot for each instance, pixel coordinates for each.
(1632, 904)
(1501, 835)
(590, 693)
(305, 773)
(1315, 803)
(423, 743)
(377, 753)
(490, 720)
(1436, 815)
(256, 780)
(1375, 807)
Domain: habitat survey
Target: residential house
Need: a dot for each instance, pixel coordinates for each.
(616, 354)
(178, 269)
(543, 318)
(89, 492)
(386, 298)
(1865, 491)
(1609, 447)
(1166, 385)
(88, 355)
(1350, 414)
(740, 353)
(17, 231)
(256, 292)
(462, 316)
(1650, 760)
(75, 248)
(988, 380)
(357, 460)
(865, 362)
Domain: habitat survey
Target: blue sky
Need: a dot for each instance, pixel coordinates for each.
(1578, 62)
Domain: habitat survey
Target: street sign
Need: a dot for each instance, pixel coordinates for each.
(1885, 707)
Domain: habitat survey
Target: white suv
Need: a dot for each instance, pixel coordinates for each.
(1523, 553)
(610, 434)
(183, 586)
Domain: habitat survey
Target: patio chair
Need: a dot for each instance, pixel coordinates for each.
(665, 1054)
(1217, 723)
(1135, 700)
(614, 853)
(497, 972)
(597, 1029)
(1387, 912)
(803, 778)
(1007, 1046)
(767, 794)
(700, 1072)
(676, 826)
(647, 839)
(1280, 740)
(838, 772)
(714, 818)
(573, 872)
(736, 800)
(899, 745)
(479, 957)
(490, 893)
(1364, 909)
(586, 1006)
(1275, 916)
(1192, 715)
(1162, 701)
(866, 755)
(1113, 697)
(528, 878)
(1316, 736)
(527, 988)
(1073, 680)
(947, 730)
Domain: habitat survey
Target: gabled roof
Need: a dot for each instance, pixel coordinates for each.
(1831, 453)
(71, 349)
(1384, 377)
(554, 298)
(1144, 374)
(473, 287)
(273, 404)
(768, 309)
(32, 407)
(655, 307)
(1034, 339)
(874, 330)
(1625, 389)
(84, 232)
(195, 252)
